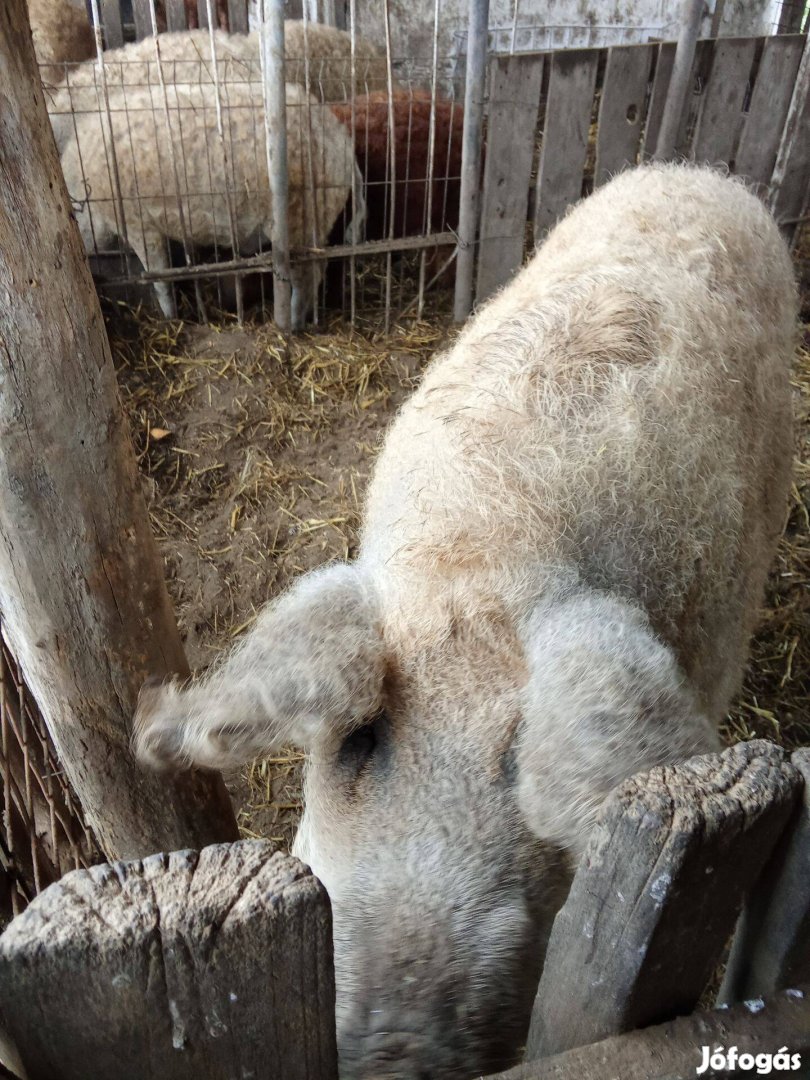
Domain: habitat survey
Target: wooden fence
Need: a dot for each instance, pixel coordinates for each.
(562, 123)
(219, 964)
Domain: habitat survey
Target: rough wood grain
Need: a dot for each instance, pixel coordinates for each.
(771, 948)
(721, 116)
(680, 79)
(110, 11)
(770, 100)
(237, 16)
(788, 187)
(657, 893)
(84, 603)
(514, 97)
(191, 966)
(565, 135)
(621, 109)
(658, 97)
(695, 98)
(142, 17)
(176, 15)
(672, 1051)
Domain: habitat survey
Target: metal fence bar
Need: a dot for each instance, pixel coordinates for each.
(427, 221)
(185, 229)
(226, 162)
(264, 261)
(42, 831)
(272, 64)
(305, 148)
(692, 14)
(392, 150)
(477, 40)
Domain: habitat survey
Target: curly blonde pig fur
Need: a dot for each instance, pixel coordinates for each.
(186, 59)
(566, 540)
(201, 194)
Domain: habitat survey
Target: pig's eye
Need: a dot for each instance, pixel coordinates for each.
(358, 747)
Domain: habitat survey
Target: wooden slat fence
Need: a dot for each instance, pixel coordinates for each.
(599, 110)
(240, 936)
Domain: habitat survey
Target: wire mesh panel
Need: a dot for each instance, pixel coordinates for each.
(169, 144)
(42, 833)
(164, 144)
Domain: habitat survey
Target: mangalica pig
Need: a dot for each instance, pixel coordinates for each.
(565, 544)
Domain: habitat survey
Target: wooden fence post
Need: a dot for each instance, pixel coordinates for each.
(657, 893)
(471, 141)
(514, 97)
(275, 113)
(82, 594)
(678, 88)
(673, 1051)
(788, 188)
(771, 948)
(190, 966)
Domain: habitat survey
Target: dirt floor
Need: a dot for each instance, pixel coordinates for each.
(255, 458)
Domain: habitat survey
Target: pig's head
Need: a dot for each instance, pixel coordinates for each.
(443, 859)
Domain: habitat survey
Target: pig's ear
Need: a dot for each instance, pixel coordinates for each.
(311, 667)
(604, 699)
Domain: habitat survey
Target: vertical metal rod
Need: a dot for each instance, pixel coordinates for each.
(107, 133)
(427, 225)
(275, 111)
(691, 15)
(305, 144)
(392, 147)
(513, 42)
(357, 239)
(227, 164)
(185, 230)
(477, 41)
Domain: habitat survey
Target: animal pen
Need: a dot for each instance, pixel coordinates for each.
(170, 152)
(467, 161)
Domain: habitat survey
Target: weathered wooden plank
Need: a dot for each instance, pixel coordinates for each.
(674, 1051)
(110, 11)
(514, 97)
(762, 129)
(788, 187)
(695, 98)
(621, 109)
(656, 896)
(176, 16)
(680, 79)
(142, 17)
(655, 112)
(238, 16)
(790, 16)
(84, 602)
(565, 135)
(190, 966)
(202, 14)
(771, 948)
(721, 116)
(472, 146)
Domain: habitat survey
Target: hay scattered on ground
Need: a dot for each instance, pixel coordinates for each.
(255, 457)
(775, 699)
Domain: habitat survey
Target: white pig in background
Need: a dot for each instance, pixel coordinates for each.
(566, 540)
